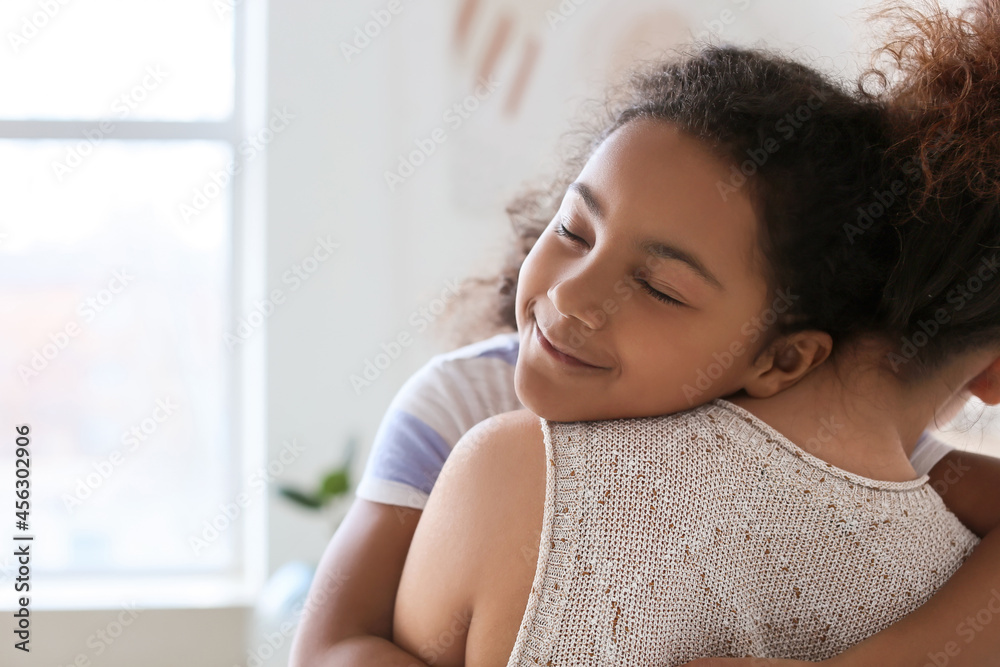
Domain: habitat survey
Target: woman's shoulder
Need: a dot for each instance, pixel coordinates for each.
(508, 441)
(493, 465)
(467, 553)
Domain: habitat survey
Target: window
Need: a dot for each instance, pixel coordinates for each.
(130, 235)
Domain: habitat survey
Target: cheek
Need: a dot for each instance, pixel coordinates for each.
(525, 278)
(731, 348)
(527, 287)
(534, 271)
(663, 351)
(682, 348)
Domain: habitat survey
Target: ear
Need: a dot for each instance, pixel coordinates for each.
(986, 385)
(787, 360)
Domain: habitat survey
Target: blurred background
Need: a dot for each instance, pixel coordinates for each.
(218, 218)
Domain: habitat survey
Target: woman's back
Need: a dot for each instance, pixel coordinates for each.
(708, 533)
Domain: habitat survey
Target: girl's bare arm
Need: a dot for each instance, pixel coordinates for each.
(347, 619)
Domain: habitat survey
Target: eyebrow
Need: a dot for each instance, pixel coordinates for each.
(651, 247)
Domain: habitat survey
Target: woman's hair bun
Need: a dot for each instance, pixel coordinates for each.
(940, 70)
(937, 72)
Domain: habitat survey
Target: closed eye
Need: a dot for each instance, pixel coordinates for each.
(562, 231)
(656, 294)
(659, 295)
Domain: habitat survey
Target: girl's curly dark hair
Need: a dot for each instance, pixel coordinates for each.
(807, 151)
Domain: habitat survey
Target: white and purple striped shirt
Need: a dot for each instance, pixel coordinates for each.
(449, 395)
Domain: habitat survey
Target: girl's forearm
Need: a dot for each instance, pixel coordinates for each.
(365, 651)
(958, 627)
(347, 618)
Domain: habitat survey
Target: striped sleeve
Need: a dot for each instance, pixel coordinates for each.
(431, 412)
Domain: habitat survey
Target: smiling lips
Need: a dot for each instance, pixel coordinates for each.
(558, 354)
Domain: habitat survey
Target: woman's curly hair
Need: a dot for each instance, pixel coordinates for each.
(938, 72)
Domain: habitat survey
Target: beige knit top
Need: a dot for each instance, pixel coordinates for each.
(708, 533)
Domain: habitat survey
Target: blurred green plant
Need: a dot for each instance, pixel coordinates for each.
(334, 484)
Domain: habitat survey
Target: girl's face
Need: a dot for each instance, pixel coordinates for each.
(649, 216)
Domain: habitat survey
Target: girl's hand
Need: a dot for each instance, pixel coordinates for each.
(752, 662)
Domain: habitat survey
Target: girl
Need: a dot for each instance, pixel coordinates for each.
(817, 174)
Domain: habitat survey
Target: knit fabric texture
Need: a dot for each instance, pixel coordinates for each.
(708, 533)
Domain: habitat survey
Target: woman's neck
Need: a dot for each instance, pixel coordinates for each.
(860, 418)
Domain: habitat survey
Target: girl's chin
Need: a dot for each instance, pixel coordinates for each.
(546, 401)
(556, 407)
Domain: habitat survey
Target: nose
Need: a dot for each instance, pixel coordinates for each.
(579, 296)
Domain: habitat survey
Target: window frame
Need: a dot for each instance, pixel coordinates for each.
(236, 589)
